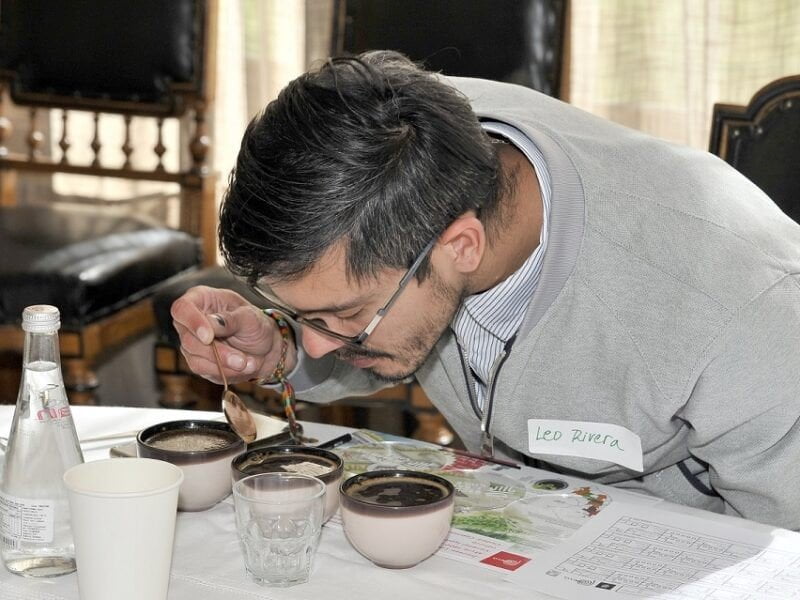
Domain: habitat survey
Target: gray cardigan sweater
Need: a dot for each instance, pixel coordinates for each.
(669, 304)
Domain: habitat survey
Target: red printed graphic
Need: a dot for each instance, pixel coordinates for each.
(465, 463)
(506, 560)
(49, 414)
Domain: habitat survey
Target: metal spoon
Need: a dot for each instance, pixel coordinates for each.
(234, 408)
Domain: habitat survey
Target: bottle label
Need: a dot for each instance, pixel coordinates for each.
(53, 413)
(26, 520)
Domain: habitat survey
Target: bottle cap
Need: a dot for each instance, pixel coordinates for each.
(41, 318)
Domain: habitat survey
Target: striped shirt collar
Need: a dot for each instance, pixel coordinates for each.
(486, 321)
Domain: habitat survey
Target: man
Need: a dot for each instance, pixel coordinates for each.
(566, 291)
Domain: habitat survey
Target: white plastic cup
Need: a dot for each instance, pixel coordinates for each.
(123, 522)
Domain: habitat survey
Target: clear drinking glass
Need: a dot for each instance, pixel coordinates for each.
(279, 518)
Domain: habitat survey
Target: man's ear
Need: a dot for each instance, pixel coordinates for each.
(464, 243)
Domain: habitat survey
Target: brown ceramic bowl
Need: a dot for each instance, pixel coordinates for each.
(396, 518)
(307, 460)
(202, 449)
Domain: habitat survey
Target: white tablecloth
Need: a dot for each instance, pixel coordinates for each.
(207, 562)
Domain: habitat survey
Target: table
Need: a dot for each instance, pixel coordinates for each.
(207, 563)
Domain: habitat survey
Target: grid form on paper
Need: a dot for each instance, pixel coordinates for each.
(636, 557)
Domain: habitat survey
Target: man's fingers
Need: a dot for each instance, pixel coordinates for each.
(241, 334)
(193, 310)
(206, 366)
(230, 357)
(188, 316)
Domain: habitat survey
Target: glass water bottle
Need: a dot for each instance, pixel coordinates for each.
(42, 444)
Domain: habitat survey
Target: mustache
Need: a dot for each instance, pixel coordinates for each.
(351, 353)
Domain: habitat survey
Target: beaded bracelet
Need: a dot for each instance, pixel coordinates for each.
(278, 376)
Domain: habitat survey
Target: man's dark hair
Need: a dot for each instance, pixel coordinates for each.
(369, 150)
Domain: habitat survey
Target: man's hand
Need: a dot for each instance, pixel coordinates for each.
(249, 342)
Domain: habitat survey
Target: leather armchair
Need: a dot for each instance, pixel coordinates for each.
(762, 141)
(146, 60)
(518, 41)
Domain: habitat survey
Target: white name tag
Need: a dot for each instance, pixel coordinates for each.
(602, 441)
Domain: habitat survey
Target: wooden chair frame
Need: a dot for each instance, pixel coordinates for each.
(729, 121)
(761, 140)
(342, 40)
(82, 348)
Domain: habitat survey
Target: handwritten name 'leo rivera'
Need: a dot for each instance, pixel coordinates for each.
(579, 436)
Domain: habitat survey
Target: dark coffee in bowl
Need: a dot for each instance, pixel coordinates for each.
(304, 464)
(397, 491)
(396, 518)
(190, 440)
(303, 460)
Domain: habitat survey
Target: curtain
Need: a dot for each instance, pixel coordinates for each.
(263, 45)
(660, 65)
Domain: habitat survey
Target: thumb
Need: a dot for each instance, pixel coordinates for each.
(222, 325)
(244, 328)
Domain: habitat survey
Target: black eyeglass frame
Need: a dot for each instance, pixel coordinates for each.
(349, 340)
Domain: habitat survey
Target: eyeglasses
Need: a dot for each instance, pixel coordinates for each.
(320, 326)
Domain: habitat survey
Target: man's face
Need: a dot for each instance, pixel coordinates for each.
(403, 339)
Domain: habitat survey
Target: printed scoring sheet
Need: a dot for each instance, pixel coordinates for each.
(633, 552)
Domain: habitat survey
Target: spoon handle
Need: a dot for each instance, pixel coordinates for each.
(219, 365)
